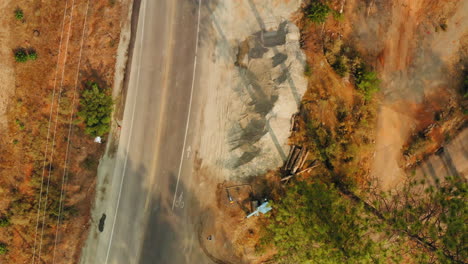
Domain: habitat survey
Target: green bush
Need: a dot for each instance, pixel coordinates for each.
(338, 16)
(340, 66)
(307, 70)
(3, 249)
(21, 55)
(4, 221)
(32, 54)
(19, 15)
(90, 163)
(318, 12)
(95, 110)
(20, 124)
(464, 87)
(367, 82)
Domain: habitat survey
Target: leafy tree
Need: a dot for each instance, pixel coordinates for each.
(19, 14)
(318, 12)
(95, 110)
(314, 223)
(438, 216)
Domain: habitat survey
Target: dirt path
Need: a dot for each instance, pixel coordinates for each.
(414, 58)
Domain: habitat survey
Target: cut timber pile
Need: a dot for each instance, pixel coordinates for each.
(296, 159)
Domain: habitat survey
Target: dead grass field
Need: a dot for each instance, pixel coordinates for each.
(25, 164)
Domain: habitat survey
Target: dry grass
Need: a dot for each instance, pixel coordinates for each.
(22, 157)
(337, 124)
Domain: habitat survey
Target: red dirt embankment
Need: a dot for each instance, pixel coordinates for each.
(35, 140)
(415, 46)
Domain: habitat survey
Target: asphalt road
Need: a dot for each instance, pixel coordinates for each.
(146, 201)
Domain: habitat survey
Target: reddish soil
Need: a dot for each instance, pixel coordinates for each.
(24, 142)
(417, 61)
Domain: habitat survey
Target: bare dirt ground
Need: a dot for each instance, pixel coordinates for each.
(418, 63)
(252, 87)
(246, 116)
(28, 97)
(6, 65)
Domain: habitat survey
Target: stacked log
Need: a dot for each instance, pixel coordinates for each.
(296, 159)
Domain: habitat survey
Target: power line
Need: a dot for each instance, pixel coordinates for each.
(65, 168)
(48, 129)
(55, 128)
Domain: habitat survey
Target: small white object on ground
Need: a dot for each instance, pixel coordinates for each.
(98, 140)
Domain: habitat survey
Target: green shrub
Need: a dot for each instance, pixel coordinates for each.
(417, 143)
(21, 55)
(338, 16)
(367, 82)
(20, 124)
(32, 54)
(464, 87)
(307, 70)
(90, 163)
(4, 221)
(19, 15)
(318, 12)
(340, 66)
(3, 249)
(95, 110)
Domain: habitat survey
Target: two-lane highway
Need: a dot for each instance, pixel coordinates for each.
(146, 217)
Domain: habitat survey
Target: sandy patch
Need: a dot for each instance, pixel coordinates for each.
(7, 79)
(248, 106)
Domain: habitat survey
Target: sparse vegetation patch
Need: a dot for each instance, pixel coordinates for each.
(318, 12)
(19, 14)
(3, 249)
(23, 55)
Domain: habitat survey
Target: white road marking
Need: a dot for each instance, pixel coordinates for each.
(189, 150)
(190, 106)
(129, 137)
(180, 201)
